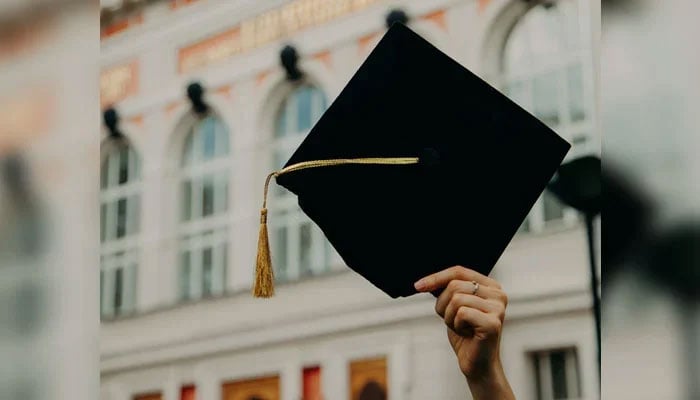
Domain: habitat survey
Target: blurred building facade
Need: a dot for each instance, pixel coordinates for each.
(180, 201)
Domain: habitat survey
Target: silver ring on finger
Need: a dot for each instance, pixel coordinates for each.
(476, 287)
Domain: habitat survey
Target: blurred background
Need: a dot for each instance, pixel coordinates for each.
(199, 99)
(48, 189)
(651, 241)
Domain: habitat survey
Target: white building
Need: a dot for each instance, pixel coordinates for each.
(180, 206)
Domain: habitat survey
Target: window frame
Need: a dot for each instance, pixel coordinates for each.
(200, 232)
(119, 253)
(543, 374)
(194, 248)
(283, 207)
(111, 264)
(558, 63)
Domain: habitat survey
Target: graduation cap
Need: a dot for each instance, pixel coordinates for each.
(416, 166)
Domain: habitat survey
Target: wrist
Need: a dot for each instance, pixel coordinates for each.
(490, 384)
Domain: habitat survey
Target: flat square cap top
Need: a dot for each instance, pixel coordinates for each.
(482, 163)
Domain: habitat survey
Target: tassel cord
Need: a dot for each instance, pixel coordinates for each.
(264, 275)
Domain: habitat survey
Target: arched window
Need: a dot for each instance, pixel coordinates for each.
(204, 180)
(547, 69)
(119, 225)
(300, 249)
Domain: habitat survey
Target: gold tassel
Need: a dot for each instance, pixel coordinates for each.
(264, 273)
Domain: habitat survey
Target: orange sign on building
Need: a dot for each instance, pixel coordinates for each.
(118, 82)
(438, 18)
(218, 47)
(368, 379)
(267, 388)
(311, 385)
(188, 392)
(265, 28)
(120, 25)
(151, 396)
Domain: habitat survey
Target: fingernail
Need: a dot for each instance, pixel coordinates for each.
(420, 285)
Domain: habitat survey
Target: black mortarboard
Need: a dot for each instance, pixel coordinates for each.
(416, 166)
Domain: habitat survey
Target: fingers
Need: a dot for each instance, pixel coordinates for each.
(465, 287)
(441, 279)
(470, 321)
(460, 300)
(465, 311)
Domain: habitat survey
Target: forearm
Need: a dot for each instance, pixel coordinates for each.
(491, 386)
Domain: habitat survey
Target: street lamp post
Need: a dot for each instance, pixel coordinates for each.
(578, 185)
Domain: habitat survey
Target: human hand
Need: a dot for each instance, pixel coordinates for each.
(473, 307)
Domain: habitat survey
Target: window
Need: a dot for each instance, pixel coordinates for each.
(547, 69)
(311, 385)
(557, 375)
(188, 393)
(204, 204)
(119, 225)
(301, 249)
